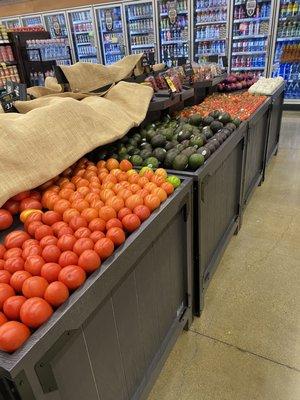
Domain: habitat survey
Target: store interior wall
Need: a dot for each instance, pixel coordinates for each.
(12, 7)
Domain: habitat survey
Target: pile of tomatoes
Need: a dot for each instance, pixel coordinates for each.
(91, 210)
(239, 105)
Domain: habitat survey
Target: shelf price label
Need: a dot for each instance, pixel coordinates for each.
(250, 7)
(169, 83)
(188, 70)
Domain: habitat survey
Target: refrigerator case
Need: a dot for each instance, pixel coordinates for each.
(140, 27)
(211, 29)
(32, 20)
(56, 25)
(285, 60)
(111, 32)
(173, 31)
(251, 35)
(83, 35)
(12, 23)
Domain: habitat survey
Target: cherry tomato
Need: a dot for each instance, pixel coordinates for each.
(78, 222)
(12, 206)
(50, 271)
(12, 335)
(6, 291)
(35, 311)
(14, 264)
(15, 239)
(117, 235)
(82, 233)
(31, 251)
(50, 217)
(124, 211)
(18, 278)
(21, 196)
(142, 212)
(56, 293)
(72, 276)
(83, 244)
(89, 260)
(5, 276)
(12, 307)
(131, 222)
(34, 286)
(67, 257)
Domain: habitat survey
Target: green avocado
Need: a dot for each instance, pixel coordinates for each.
(158, 141)
(214, 114)
(236, 121)
(145, 153)
(159, 153)
(207, 120)
(230, 126)
(151, 162)
(189, 151)
(195, 161)
(196, 141)
(215, 126)
(180, 162)
(171, 154)
(136, 160)
(224, 118)
(207, 132)
(195, 119)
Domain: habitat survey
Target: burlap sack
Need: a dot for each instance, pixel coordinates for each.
(55, 132)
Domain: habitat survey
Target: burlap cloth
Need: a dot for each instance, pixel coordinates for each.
(53, 132)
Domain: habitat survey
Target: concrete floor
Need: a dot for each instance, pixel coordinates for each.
(246, 345)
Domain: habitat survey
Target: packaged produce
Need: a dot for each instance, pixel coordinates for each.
(266, 86)
(237, 81)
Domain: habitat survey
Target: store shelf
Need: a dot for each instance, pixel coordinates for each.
(291, 101)
(113, 31)
(142, 46)
(242, 53)
(145, 32)
(84, 44)
(82, 22)
(290, 18)
(82, 33)
(87, 56)
(211, 23)
(255, 19)
(210, 54)
(247, 68)
(173, 42)
(178, 13)
(209, 40)
(9, 63)
(114, 53)
(4, 43)
(250, 36)
(288, 38)
(134, 18)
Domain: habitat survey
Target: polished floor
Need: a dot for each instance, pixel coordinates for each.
(246, 345)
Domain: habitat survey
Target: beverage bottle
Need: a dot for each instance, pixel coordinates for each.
(257, 26)
(295, 8)
(251, 28)
(289, 9)
(257, 11)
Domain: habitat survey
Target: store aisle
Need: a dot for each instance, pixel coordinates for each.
(246, 345)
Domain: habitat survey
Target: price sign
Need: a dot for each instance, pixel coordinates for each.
(17, 89)
(169, 83)
(188, 69)
(213, 59)
(181, 61)
(251, 7)
(7, 102)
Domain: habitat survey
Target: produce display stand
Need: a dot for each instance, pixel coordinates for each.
(275, 116)
(204, 89)
(257, 135)
(110, 339)
(216, 208)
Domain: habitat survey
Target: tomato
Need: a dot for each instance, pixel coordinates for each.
(5, 276)
(29, 203)
(34, 286)
(134, 178)
(66, 193)
(32, 227)
(161, 172)
(42, 231)
(150, 186)
(12, 335)
(26, 213)
(112, 163)
(3, 249)
(72, 276)
(30, 243)
(48, 240)
(56, 293)
(133, 201)
(12, 307)
(66, 242)
(89, 214)
(78, 222)
(50, 217)
(131, 222)
(167, 187)
(82, 233)
(15, 239)
(97, 224)
(124, 211)
(152, 201)
(14, 264)
(67, 257)
(76, 196)
(83, 244)
(51, 253)
(104, 248)
(158, 180)
(35, 195)
(89, 260)
(125, 165)
(82, 183)
(160, 193)
(18, 278)
(6, 291)
(11, 206)
(69, 213)
(2, 262)
(35, 311)
(57, 226)
(6, 219)
(91, 196)
(142, 212)
(96, 235)
(21, 196)
(61, 206)
(143, 180)
(115, 202)
(3, 318)
(106, 213)
(84, 190)
(50, 271)
(33, 265)
(117, 235)
(97, 204)
(80, 205)
(13, 252)
(124, 193)
(66, 230)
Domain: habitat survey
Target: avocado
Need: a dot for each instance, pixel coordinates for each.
(196, 141)
(203, 137)
(168, 133)
(195, 119)
(224, 118)
(145, 153)
(170, 145)
(133, 142)
(151, 162)
(136, 160)
(204, 151)
(207, 132)
(207, 120)
(230, 126)
(130, 149)
(159, 153)
(188, 128)
(195, 161)
(122, 151)
(214, 114)
(219, 137)
(216, 143)
(211, 147)
(145, 145)
(180, 162)
(124, 157)
(189, 151)
(150, 134)
(158, 141)
(183, 135)
(196, 131)
(223, 135)
(215, 126)
(137, 137)
(171, 154)
(185, 143)
(236, 122)
(226, 131)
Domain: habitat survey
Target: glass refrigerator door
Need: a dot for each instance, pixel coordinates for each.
(82, 29)
(286, 61)
(12, 23)
(140, 27)
(111, 32)
(33, 20)
(56, 24)
(173, 24)
(210, 28)
(251, 27)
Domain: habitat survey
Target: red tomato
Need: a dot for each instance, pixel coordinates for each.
(124, 211)
(14, 264)
(67, 257)
(29, 243)
(2, 250)
(51, 253)
(57, 226)
(125, 165)
(117, 235)
(31, 251)
(131, 222)
(29, 203)
(12, 206)
(133, 201)
(72, 276)
(78, 222)
(56, 293)
(32, 227)
(6, 291)
(50, 217)
(106, 213)
(50, 271)
(89, 214)
(47, 240)
(89, 260)
(18, 278)
(97, 224)
(65, 230)
(34, 264)
(5, 276)
(152, 201)
(33, 217)
(70, 213)
(35, 311)
(35, 195)
(114, 222)
(82, 233)
(13, 252)
(115, 202)
(83, 244)
(104, 247)
(12, 335)
(3, 318)
(96, 235)
(66, 242)
(2, 263)
(34, 286)
(61, 206)
(12, 306)
(21, 196)
(42, 231)
(15, 239)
